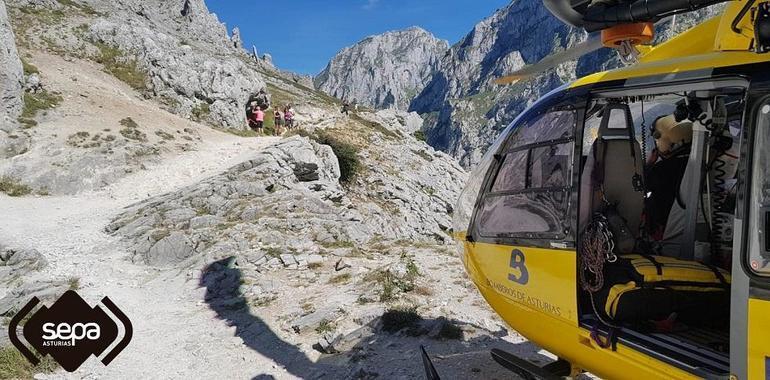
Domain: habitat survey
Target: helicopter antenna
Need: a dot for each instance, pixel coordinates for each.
(673, 24)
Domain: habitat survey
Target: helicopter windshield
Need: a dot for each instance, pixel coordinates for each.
(523, 142)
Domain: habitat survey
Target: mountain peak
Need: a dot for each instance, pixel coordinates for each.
(385, 70)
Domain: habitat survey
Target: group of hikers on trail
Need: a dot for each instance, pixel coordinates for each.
(255, 114)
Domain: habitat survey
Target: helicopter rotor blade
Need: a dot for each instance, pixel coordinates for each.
(593, 43)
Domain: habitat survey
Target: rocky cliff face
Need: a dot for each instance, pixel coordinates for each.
(11, 74)
(187, 55)
(174, 51)
(384, 71)
(465, 112)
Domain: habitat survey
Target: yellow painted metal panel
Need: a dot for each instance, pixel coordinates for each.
(727, 39)
(545, 310)
(759, 339)
(550, 275)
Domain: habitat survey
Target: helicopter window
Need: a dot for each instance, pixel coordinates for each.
(550, 166)
(759, 257)
(548, 127)
(525, 214)
(529, 196)
(511, 176)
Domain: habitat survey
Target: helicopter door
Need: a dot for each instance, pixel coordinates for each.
(750, 327)
(523, 228)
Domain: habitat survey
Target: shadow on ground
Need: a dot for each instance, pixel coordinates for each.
(371, 353)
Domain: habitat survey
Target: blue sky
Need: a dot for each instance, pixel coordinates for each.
(302, 35)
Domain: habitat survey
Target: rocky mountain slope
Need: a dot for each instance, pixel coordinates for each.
(465, 111)
(383, 71)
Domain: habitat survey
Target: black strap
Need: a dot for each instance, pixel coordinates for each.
(600, 152)
(637, 179)
(717, 273)
(658, 266)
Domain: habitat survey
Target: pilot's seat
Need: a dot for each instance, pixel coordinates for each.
(613, 164)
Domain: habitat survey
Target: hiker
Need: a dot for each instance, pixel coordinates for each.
(257, 120)
(263, 101)
(260, 99)
(288, 116)
(346, 108)
(278, 116)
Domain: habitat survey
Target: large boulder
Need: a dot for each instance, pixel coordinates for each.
(281, 196)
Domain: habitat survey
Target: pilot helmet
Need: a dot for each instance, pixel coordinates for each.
(670, 134)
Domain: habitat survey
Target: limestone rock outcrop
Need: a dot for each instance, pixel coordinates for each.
(383, 71)
(11, 76)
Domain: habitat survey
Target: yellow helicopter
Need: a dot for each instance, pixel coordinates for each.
(621, 222)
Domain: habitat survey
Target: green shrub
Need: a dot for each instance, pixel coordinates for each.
(397, 319)
(13, 187)
(129, 123)
(389, 285)
(424, 155)
(377, 127)
(347, 154)
(13, 365)
(338, 244)
(27, 123)
(325, 326)
(40, 101)
(121, 67)
(44, 15)
(450, 331)
(420, 135)
(165, 135)
(82, 7)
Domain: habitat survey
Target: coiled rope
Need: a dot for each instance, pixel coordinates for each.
(598, 247)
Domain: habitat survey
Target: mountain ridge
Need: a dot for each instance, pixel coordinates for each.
(385, 70)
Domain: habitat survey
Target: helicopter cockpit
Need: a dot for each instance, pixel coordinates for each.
(657, 206)
(657, 143)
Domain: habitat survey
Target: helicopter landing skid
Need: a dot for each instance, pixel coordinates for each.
(529, 371)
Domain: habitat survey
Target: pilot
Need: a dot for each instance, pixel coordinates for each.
(663, 174)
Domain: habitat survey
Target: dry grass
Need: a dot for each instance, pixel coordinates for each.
(122, 67)
(341, 279)
(34, 103)
(15, 366)
(13, 187)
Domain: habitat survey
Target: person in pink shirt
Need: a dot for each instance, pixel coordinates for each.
(257, 119)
